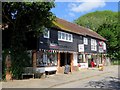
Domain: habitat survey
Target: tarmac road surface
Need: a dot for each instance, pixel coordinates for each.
(89, 78)
(106, 81)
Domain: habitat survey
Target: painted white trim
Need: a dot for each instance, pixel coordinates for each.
(93, 44)
(85, 40)
(83, 65)
(48, 32)
(75, 59)
(43, 69)
(51, 68)
(67, 40)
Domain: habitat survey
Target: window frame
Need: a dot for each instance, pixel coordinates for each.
(93, 45)
(48, 33)
(65, 36)
(85, 40)
(45, 59)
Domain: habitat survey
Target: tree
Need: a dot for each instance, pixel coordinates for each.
(94, 19)
(22, 17)
(106, 24)
(18, 19)
(111, 32)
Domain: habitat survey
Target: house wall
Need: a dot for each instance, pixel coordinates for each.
(75, 59)
(44, 43)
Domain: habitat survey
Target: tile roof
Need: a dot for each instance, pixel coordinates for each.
(74, 28)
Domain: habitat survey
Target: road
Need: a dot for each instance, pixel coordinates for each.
(108, 80)
(90, 78)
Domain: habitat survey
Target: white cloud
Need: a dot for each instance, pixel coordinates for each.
(86, 0)
(71, 14)
(86, 5)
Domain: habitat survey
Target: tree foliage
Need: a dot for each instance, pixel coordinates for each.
(94, 19)
(20, 19)
(106, 24)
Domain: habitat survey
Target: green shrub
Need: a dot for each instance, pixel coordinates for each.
(116, 62)
(19, 60)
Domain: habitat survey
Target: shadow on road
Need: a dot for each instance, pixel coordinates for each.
(107, 83)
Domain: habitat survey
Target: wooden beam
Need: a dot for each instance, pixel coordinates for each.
(58, 63)
(71, 64)
(34, 58)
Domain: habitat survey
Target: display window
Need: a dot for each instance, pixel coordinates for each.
(80, 58)
(45, 58)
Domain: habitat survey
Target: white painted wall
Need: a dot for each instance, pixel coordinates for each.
(43, 69)
(75, 59)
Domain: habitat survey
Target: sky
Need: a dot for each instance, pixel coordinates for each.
(70, 10)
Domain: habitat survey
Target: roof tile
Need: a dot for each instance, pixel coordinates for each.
(74, 28)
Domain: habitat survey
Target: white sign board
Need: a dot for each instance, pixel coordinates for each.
(81, 48)
(100, 49)
(102, 46)
(83, 65)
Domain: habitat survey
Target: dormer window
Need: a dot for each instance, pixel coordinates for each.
(46, 33)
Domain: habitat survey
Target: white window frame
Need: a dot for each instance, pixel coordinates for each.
(48, 33)
(93, 45)
(65, 39)
(85, 40)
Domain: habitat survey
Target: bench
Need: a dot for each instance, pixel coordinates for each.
(34, 72)
(27, 74)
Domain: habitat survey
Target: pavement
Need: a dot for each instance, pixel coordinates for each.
(58, 79)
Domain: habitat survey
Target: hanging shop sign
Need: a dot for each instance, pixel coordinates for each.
(102, 46)
(101, 49)
(81, 48)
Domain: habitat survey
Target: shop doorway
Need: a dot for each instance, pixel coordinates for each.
(65, 59)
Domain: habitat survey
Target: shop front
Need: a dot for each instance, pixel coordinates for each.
(65, 58)
(82, 61)
(45, 61)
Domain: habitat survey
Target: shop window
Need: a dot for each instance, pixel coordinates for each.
(46, 58)
(80, 58)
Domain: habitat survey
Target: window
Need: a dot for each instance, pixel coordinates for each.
(93, 45)
(65, 36)
(46, 58)
(70, 37)
(59, 35)
(85, 41)
(80, 58)
(46, 33)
